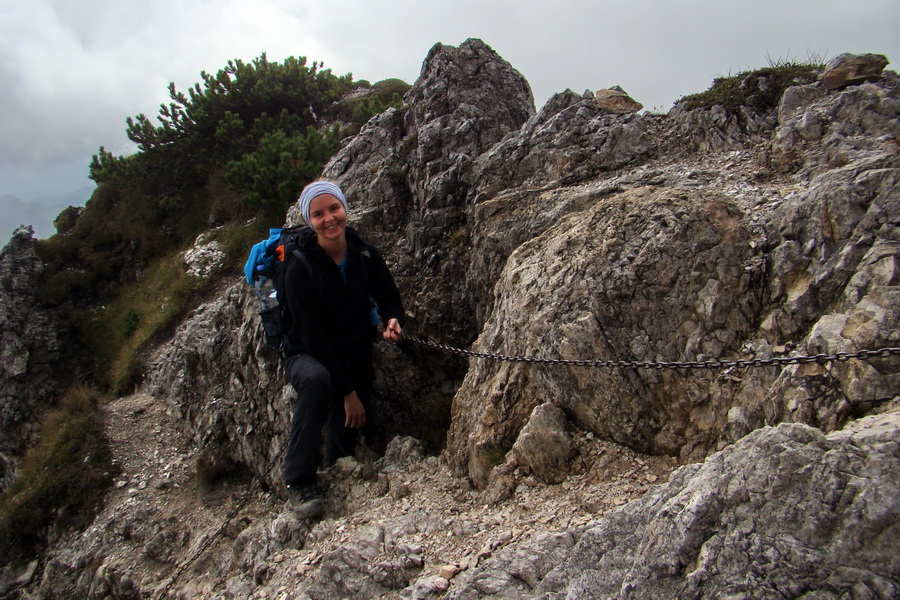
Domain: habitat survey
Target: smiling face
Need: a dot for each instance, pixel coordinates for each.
(327, 217)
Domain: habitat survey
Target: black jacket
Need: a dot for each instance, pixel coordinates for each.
(329, 318)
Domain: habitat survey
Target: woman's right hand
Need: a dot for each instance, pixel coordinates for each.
(392, 331)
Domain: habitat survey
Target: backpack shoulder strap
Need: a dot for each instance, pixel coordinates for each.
(314, 275)
(289, 250)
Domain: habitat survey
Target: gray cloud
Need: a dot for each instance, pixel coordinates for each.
(74, 71)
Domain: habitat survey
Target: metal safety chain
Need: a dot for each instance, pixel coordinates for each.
(699, 364)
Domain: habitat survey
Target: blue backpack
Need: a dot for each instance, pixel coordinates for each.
(264, 270)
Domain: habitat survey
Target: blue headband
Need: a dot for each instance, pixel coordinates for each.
(317, 188)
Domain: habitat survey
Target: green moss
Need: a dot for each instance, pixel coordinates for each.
(237, 240)
(494, 456)
(389, 90)
(132, 321)
(458, 238)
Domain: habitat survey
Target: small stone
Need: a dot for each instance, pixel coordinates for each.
(448, 571)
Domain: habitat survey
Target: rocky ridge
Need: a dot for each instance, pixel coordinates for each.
(30, 344)
(570, 232)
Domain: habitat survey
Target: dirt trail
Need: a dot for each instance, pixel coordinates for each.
(158, 515)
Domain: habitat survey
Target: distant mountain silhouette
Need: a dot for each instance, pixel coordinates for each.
(38, 212)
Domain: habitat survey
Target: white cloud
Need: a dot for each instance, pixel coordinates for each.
(73, 72)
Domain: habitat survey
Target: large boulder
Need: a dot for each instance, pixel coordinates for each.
(785, 512)
(650, 274)
(617, 101)
(852, 69)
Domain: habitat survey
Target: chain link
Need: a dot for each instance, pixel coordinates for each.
(700, 364)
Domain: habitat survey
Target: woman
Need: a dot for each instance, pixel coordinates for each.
(331, 297)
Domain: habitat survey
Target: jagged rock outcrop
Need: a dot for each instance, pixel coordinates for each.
(30, 347)
(410, 174)
(817, 131)
(785, 512)
(571, 139)
(403, 174)
(225, 384)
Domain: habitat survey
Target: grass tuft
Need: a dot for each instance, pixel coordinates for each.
(62, 481)
(118, 332)
(759, 90)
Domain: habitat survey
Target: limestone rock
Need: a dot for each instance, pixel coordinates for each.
(31, 378)
(833, 282)
(401, 453)
(527, 563)
(222, 380)
(569, 140)
(206, 258)
(646, 275)
(852, 69)
(544, 446)
(406, 167)
(716, 130)
(825, 506)
(615, 100)
(817, 131)
(797, 99)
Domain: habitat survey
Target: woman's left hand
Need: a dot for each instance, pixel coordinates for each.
(392, 331)
(354, 411)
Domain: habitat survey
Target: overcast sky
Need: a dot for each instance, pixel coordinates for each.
(72, 71)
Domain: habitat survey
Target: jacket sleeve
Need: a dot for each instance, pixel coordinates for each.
(384, 291)
(306, 327)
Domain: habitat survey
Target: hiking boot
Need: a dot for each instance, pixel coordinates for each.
(307, 502)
